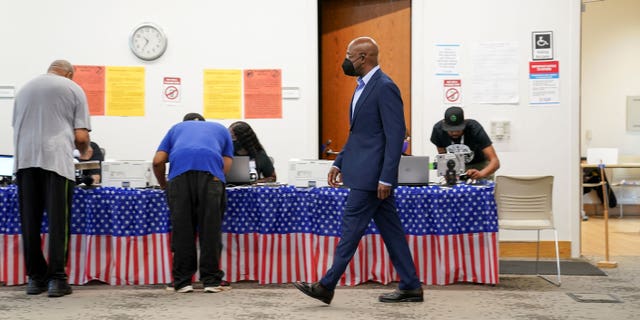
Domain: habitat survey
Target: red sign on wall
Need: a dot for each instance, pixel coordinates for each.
(544, 67)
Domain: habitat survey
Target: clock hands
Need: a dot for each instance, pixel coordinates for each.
(146, 42)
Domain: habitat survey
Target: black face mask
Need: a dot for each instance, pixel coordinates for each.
(236, 146)
(348, 68)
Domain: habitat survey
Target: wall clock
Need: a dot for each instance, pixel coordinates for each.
(148, 42)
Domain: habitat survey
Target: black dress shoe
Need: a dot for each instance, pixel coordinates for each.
(414, 295)
(59, 288)
(36, 287)
(315, 290)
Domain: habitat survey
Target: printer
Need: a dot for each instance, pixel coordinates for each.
(309, 173)
(128, 174)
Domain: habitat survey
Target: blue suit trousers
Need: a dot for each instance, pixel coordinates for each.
(361, 207)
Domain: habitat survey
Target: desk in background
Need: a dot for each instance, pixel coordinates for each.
(606, 263)
(270, 235)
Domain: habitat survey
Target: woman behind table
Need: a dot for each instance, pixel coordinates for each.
(246, 143)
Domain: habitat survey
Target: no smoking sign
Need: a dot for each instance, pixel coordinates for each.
(171, 92)
(452, 91)
(171, 89)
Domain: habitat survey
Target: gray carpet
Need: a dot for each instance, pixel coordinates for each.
(570, 268)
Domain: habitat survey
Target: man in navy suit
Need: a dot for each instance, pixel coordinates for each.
(368, 165)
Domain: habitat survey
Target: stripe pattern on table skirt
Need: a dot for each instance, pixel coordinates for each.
(112, 260)
(133, 260)
(12, 269)
(284, 258)
(267, 258)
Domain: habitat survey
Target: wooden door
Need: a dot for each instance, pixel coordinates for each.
(389, 23)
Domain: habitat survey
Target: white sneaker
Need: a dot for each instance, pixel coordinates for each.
(185, 289)
(216, 289)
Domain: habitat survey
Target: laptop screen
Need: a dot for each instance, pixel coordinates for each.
(239, 172)
(413, 170)
(6, 165)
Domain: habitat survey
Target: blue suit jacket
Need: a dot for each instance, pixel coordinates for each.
(374, 146)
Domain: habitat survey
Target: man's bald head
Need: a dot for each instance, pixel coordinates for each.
(364, 45)
(62, 68)
(364, 48)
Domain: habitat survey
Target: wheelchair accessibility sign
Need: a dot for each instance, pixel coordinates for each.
(542, 45)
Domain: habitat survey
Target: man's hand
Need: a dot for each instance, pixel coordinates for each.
(87, 155)
(383, 191)
(334, 178)
(475, 174)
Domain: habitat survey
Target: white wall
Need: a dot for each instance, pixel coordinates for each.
(283, 34)
(544, 140)
(610, 68)
(238, 34)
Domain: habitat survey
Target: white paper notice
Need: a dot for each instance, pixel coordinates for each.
(544, 91)
(447, 59)
(495, 73)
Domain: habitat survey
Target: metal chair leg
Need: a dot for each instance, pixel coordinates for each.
(559, 282)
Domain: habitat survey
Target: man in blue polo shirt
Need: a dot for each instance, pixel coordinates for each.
(200, 153)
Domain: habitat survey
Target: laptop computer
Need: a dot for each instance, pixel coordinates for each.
(6, 165)
(413, 171)
(239, 172)
(6, 169)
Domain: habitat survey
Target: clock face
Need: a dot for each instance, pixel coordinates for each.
(148, 42)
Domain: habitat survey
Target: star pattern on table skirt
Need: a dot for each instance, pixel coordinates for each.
(270, 210)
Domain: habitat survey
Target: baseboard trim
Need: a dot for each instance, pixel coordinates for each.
(527, 249)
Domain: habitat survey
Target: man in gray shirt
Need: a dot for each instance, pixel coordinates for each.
(50, 120)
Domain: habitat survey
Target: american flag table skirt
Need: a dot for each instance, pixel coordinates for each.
(270, 235)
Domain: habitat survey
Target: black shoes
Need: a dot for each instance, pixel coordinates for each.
(56, 287)
(414, 295)
(318, 291)
(315, 290)
(59, 288)
(36, 287)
